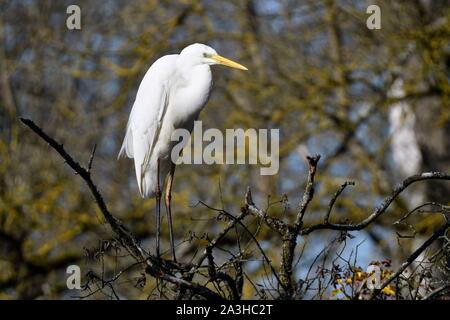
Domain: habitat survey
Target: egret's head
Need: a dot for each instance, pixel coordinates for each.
(198, 53)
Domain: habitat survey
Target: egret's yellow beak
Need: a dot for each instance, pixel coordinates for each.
(228, 62)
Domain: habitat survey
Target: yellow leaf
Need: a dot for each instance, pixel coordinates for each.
(335, 292)
(388, 290)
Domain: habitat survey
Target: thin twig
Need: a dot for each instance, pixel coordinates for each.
(437, 291)
(336, 195)
(91, 158)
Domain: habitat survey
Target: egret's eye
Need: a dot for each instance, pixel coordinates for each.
(206, 55)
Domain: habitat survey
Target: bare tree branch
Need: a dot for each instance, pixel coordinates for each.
(437, 234)
(336, 195)
(309, 189)
(155, 267)
(288, 232)
(381, 208)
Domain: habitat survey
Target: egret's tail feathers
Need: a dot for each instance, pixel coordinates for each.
(147, 187)
(148, 181)
(121, 152)
(127, 145)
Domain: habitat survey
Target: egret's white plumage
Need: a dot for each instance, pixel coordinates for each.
(173, 92)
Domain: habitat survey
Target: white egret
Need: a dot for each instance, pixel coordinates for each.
(173, 92)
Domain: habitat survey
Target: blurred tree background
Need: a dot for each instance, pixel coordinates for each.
(374, 103)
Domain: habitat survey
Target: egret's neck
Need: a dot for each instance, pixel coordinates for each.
(193, 87)
(189, 69)
(190, 74)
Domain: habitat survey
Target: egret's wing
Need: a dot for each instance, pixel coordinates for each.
(147, 115)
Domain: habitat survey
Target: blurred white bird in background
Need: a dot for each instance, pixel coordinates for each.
(173, 92)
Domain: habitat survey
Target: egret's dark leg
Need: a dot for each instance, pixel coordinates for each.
(168, 198)
(158, 210)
